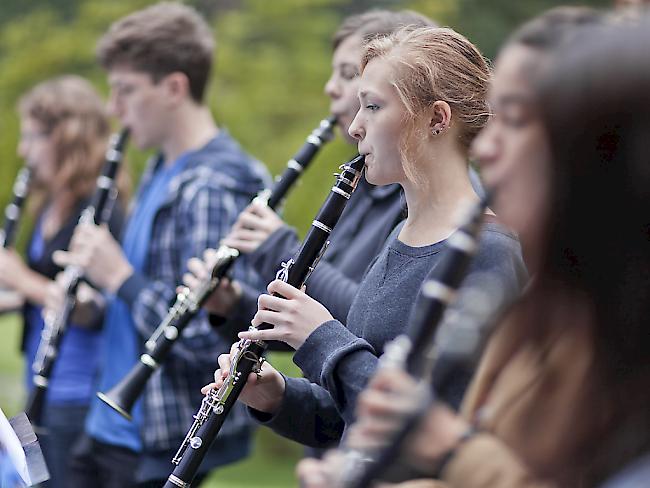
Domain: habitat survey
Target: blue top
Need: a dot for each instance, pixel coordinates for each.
(197, 207)
(73, 377)
(122, 342)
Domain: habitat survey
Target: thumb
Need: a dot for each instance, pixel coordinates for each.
(62, 258)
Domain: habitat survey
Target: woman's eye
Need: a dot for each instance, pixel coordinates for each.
(372, 107)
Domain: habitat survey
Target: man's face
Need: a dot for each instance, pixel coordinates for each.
(139, 104)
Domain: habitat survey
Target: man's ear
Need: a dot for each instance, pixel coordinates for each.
(177, 85)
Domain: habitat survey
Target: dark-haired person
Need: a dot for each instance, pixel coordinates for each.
(561, 397)
(422, 98)
(64, 131)
(158, 61)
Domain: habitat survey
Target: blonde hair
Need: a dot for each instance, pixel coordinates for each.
(74, 118)
(431, 64)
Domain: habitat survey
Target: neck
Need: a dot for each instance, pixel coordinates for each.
(437, 203)
(191, 128)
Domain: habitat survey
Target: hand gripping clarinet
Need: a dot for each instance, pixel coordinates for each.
(98, 211)
(13, 213)
(123, 396)
(415, 351)
(217, 403)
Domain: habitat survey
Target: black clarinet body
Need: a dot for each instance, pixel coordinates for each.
(14, 210)
(13, 213)
(416, 351)
(217, 403)
(122, 397)
(98, 212)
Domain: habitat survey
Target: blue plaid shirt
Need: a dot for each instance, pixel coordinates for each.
(202, 203)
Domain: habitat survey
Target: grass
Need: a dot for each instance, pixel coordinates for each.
(270, 466)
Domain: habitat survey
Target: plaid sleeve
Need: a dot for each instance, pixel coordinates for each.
(203, 216)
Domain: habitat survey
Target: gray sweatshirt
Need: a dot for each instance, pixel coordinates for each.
(338, 360)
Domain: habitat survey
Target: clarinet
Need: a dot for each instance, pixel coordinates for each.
(122, 396)
(98, 212)
(13, 212)
(249, 357)
(416, 351)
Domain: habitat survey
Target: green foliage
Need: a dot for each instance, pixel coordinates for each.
(272, 62)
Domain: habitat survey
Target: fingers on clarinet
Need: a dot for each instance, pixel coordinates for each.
(240, 245)
(197, 267)
(282, 288)
(209, 255)
(189, 281)
(208, 387)
(224, 365)
(61, 258)
(269, 302)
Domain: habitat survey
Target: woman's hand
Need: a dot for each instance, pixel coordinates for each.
(17, 277)
(326, 473)
(390, 397)
(293, 314)
(12, 269)
(225, 297)
(264, 391)
(96, 251)
(321, 473)
(54, 295)
(254, 225)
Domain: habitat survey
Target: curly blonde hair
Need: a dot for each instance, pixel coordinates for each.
(74, 117)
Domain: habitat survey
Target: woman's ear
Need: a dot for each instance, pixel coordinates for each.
(440, 117)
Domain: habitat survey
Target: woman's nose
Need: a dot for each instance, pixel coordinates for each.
(356, 129)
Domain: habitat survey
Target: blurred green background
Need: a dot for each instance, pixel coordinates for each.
(273, 59)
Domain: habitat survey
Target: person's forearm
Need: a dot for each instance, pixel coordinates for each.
(33, 286)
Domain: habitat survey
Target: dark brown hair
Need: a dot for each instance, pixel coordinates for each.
(594, 103)
(552, 27)
(377, 23)
(159, 40)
